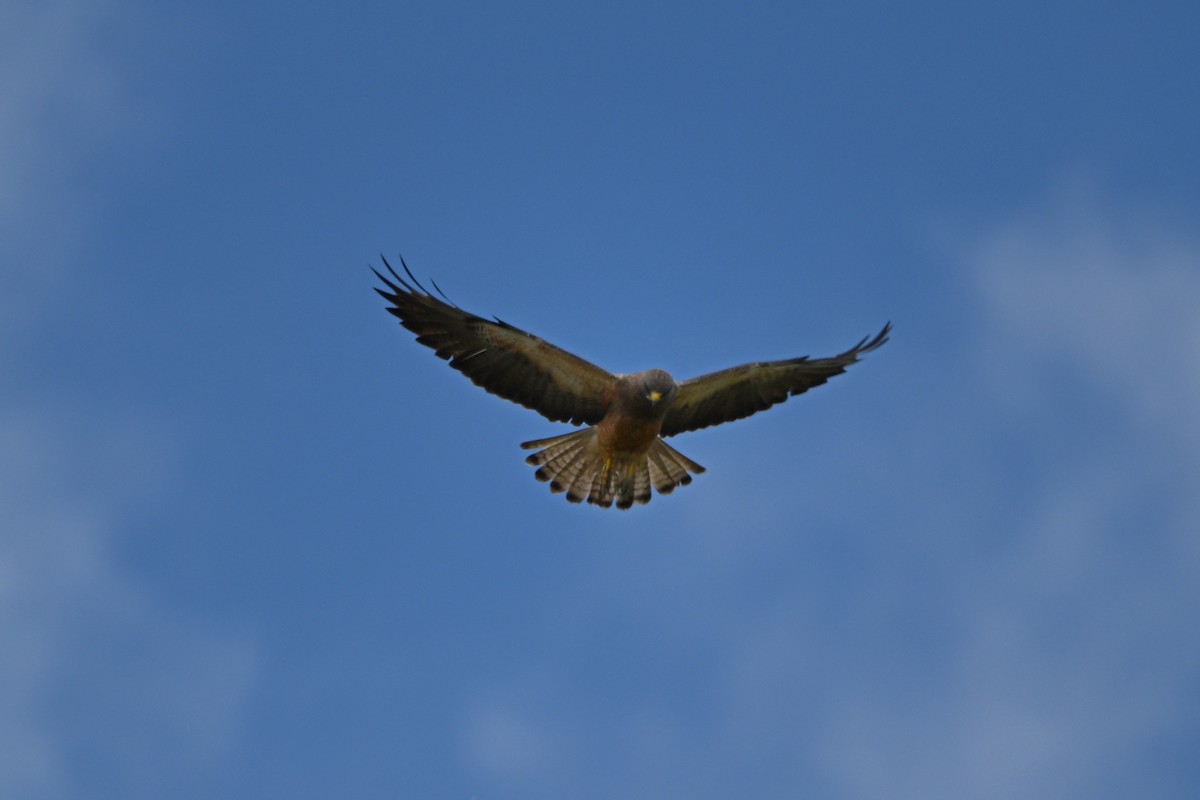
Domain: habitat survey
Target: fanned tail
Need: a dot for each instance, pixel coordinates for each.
(574, 463)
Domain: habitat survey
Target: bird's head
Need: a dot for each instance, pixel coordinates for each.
(658, 387)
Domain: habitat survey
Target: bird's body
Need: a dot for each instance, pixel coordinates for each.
(621, 454)
(635, 413)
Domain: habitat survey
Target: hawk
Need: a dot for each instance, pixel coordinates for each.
(621, 452)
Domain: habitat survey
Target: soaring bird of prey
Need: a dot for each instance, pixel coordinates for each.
(621, 452)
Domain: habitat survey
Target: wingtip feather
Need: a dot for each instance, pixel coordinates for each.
(881, 338)
(412, 277)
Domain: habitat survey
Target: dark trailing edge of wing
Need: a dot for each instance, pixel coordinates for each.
(738, 392)
(500, 358)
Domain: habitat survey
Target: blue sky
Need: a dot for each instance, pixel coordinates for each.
(256, 542)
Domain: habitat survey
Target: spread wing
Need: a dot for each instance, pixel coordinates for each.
(502, 359)
(741, 391)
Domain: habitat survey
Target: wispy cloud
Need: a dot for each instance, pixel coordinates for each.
(1077, 286)
(510, 744)
(60, 97)
(99, 682)
(1070, 658)
(102, 686)
(61, 104)
(1036, 641)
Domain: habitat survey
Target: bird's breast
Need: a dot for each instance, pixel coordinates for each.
(620, 433)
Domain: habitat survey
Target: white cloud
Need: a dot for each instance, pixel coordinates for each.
(60, 104)
(508, 744)
(1040, 645)
(94, 669)
(59, 97)
(1077, 286)
(101, 684)
(1071, 655)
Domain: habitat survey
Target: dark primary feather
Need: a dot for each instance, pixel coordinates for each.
(741, 391)
(499, 357)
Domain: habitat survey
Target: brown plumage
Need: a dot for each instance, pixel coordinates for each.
(620, 455)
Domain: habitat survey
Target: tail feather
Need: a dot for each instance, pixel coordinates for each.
(660, 473)
(574, 463)
(641, 483)
(555, 460)
(669, 468)
(564, 461)
(576, 477)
